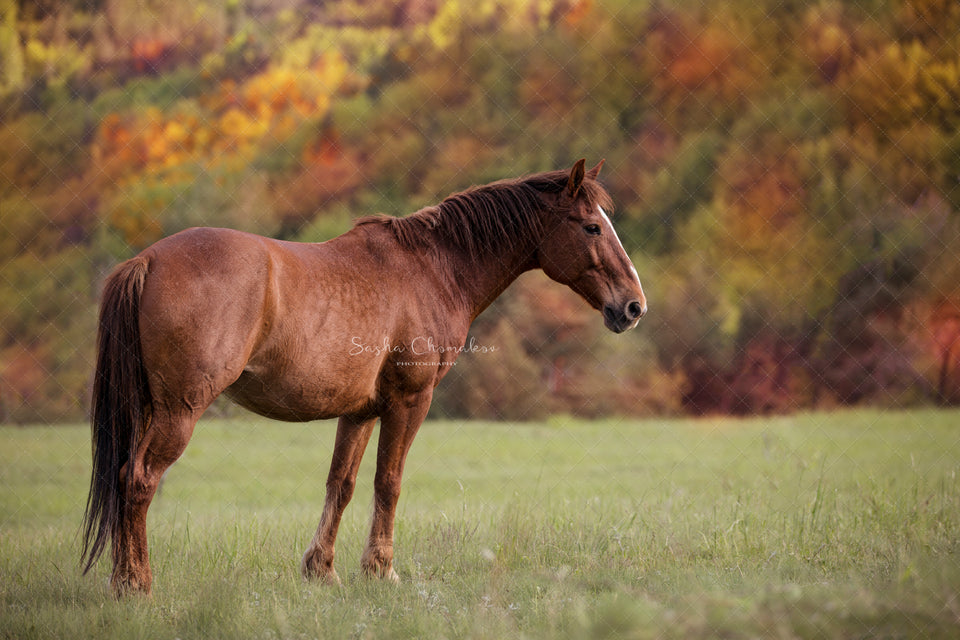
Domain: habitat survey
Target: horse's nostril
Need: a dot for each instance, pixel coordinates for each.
(635, 310)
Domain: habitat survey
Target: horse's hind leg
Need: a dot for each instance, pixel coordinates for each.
(164, 440)
(352, 438)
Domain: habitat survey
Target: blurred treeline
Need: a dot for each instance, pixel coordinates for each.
(787, 176)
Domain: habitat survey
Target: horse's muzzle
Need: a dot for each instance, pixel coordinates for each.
(623, 318)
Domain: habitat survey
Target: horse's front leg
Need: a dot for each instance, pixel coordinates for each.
(352, 437)
(398, 426)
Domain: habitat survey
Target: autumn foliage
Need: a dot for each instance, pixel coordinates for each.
(785, 176)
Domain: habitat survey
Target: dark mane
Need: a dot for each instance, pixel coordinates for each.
(488, 218)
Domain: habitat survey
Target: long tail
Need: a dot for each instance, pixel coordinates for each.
(121, 405)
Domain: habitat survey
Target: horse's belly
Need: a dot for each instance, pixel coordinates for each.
(297, 401)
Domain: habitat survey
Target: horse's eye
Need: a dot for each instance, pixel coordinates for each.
(592, 229)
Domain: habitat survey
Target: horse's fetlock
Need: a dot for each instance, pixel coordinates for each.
(318, 565)
(127, 580)
(377, 559)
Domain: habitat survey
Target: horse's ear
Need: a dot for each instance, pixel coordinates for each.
(576, 178)
(593, 173)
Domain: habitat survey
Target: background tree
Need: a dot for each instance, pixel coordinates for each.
(785, 173)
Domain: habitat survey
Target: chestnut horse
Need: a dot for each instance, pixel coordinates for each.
(278, 327)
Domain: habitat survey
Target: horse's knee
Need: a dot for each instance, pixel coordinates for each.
(341, 489)
(386, 489)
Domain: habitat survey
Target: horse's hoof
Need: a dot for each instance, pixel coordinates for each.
(387, 575)
(315, 569)
(331, 579)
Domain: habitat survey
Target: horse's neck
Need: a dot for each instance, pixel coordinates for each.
(468, 283)
(479, 280)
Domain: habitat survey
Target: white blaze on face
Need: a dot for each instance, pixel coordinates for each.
(633, 269)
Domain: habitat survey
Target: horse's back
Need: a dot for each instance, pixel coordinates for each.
(205, 251)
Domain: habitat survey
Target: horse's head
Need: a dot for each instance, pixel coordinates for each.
(581, 250)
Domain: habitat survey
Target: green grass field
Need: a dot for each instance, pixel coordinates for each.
(823, 525)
